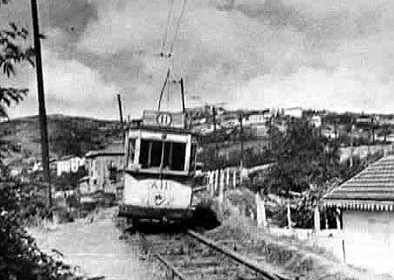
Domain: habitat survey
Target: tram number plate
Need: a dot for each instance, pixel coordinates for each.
(160, 193)
(160, 187)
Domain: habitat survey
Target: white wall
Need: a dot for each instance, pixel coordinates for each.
(369, 239)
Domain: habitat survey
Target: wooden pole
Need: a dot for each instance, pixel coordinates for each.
(288, 214)
(120, 108)
(41, 100)
(317, 219)
(235, 178)
(214, 118)
(241, 132)
(260, 207)
(227, 177)
(183, 96)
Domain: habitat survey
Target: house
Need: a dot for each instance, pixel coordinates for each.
(315, 121)
(103, 166)
(295, 112)
(366, 204)
(69, 164)
(257, 119)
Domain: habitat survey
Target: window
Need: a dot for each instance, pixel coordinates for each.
(193, 155)
(168, 155)
(130, 152)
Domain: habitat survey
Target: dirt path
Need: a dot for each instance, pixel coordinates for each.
(95, 247)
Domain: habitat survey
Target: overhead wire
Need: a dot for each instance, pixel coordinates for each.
(178, 25)
(163, 45)
(169, 53)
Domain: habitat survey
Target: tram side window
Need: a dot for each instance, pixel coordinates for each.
(144, 153)
(131, 151)
(193, 156)
(178, 156)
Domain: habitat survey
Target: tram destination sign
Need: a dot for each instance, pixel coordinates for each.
(163, 119)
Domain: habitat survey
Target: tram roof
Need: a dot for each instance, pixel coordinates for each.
(162, 129)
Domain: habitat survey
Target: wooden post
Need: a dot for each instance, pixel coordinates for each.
(120, 108)
(216, 181)
(260, 207)
(221, 188)
(288, 214)
(222, 174)
(235, 178)
(227, 177)
(343, 250)
(317, 219)
(212, 182)
(338, 221)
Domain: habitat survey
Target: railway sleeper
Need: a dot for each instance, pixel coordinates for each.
(210, 270)
(192, 262)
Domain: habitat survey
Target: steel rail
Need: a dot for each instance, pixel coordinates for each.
(237, 257)
(169, 266)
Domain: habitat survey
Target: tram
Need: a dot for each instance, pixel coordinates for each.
(159, 169)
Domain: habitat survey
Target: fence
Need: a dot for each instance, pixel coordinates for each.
(219, 180)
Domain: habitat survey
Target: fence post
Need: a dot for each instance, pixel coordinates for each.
(260, 207)
(227, 177)
(210, 181)
(221, 188)
(338, 221)
(316, 214)
(216, 181)
(288, 214)
(235, 178)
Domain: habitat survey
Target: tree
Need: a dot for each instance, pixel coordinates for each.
(303, 159)
(11, 53)
(20, 258)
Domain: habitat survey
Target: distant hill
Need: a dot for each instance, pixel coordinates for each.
(67, 136)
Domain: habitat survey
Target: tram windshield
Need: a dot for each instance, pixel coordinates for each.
(168, 155)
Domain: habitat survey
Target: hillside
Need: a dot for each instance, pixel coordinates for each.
(67, 136)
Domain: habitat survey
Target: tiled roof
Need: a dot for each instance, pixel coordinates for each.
(114, 149)
(371, 189)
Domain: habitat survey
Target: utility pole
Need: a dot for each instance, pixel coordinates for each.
(183, 95)
(41, 100)
(241, 135)
(120, 108)
(214, 118)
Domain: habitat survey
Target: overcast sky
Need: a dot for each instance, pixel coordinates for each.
(331, 54)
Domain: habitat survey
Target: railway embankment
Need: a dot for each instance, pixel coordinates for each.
(290, 255)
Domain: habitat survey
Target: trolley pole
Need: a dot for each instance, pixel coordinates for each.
(41, 100)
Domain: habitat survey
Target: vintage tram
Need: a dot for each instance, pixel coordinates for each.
(159, 169)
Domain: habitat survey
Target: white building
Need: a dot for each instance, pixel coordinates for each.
(295, 112)
(256, 119)
(366, 202)
(316, 121)
(69, 165)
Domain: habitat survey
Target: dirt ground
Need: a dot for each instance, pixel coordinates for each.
(95, 247)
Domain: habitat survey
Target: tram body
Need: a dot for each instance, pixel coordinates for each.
(159, 169)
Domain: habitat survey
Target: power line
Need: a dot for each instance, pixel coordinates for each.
(167, 27)
(178, 25)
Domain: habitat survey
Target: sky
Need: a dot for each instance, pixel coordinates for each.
(323, 54)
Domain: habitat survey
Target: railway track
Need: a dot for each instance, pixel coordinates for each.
(192, 256)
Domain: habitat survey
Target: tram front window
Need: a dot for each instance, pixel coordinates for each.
(172, 156)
